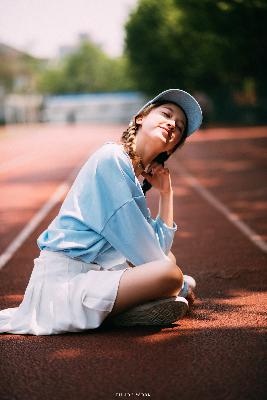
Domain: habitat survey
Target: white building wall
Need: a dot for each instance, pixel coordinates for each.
(96, 108)
(22, 108)
(104, 107)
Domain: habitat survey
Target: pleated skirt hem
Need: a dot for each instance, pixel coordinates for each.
(63, 295)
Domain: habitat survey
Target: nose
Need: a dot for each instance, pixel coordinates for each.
(171, 125)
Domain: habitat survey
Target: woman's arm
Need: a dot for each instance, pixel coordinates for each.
(161, 180)
(128, 231)
(166, 207)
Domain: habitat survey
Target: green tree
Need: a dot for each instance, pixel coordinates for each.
(213, 46)
(88, 69)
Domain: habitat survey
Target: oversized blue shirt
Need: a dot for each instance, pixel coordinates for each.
(104, 217)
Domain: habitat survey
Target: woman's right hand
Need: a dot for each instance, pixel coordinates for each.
(159, 177)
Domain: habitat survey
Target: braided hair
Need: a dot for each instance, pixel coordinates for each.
(128, 139)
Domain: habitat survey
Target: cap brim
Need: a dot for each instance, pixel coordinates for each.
(184, 100)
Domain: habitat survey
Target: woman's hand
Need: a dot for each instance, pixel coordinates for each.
(160, 179)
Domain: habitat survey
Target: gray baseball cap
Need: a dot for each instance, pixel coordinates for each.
(184, 100)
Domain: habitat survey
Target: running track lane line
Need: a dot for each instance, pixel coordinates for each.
(232, 217)
(190, 180)
(32, 224)
(37, 218)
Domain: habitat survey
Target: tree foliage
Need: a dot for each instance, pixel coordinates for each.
(86, 70)
(213, 46)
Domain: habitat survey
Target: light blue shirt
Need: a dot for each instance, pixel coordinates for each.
(104, 217)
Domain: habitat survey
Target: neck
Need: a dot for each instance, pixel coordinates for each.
(144, 149)
(146, 159)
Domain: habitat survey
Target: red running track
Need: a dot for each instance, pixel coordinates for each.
(218, 351)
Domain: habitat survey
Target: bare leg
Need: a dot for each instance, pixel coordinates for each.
(172, 257)
(150, 281)
(191, 296)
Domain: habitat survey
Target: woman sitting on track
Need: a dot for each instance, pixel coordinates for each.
(103, 258)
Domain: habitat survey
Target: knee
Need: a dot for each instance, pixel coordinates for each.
(172, 277)
(172, 257)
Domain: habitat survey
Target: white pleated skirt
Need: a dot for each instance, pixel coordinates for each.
(63, 295)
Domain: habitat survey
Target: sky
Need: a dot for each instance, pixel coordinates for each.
(39, 27)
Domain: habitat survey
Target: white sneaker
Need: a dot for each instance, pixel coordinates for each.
(190, 281)
(157, 312)
(189, 284)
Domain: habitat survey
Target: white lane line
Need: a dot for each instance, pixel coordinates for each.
(232, 217)
(39, 216)
(33, 223)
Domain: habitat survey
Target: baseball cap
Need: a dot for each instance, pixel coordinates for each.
(184, 100)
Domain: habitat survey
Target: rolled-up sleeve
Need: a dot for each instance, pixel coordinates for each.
(130, 232)
(164, 233)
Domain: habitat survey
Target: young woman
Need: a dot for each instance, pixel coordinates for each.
(103, 258)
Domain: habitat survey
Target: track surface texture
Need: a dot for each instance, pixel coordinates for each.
(218, 351)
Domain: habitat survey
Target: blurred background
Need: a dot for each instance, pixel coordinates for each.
(86, 61)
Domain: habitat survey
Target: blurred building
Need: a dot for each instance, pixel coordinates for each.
(19, 102)
(20, 108)
(97, 107)
(18, 71)
(2, 105)
(74, 108)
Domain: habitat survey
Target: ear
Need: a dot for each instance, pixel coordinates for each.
(139, 120)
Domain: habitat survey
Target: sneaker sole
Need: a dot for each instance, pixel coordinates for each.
(158, 312)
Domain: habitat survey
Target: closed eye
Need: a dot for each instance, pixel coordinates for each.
(167, 114)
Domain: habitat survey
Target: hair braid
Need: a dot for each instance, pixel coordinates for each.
(128, 137)
(128, 140)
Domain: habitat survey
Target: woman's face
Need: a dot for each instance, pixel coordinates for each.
(162, 128)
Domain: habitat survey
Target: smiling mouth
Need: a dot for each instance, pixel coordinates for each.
(168, 133)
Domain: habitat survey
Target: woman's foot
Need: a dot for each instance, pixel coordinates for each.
(187, 290)
(190, 281)
(153, 313)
